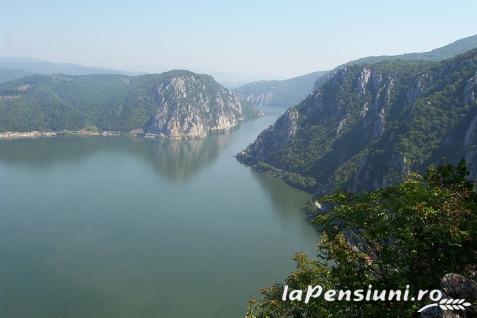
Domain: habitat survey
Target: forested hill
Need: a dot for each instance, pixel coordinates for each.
(445, 52)
(448, 51)
(284, 93)
(175, 104)
(290, 92)
(11, 74)
(368, 126)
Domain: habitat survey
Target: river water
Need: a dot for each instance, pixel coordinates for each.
(129, 227)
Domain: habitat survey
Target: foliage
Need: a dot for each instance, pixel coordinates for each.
(442, 53)
(108, 102)
(406, 116)
(412, 234)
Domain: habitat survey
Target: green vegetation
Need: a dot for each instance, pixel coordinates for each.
(369, 125)
(412, 234)
(439, 54)
(294, 179)
(107, 102)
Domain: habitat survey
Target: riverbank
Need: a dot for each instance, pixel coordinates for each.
(7, 135)
(107, 200)
(304, 183)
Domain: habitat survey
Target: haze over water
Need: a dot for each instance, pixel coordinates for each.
(124, 227)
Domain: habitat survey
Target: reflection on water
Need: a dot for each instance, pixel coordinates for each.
(179, 160)
(127, 227)
(281, 198)
(176, 160)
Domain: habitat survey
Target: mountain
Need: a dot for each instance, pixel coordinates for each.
(232, 84)
(370, 125)
(175, 104)
(284, 93)
(11, 74)
(35, 66)
(290, 92)
(448, 51)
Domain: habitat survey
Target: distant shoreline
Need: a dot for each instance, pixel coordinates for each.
(9, 135)
(34, 134)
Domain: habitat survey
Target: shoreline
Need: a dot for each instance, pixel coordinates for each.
(295, 180)
(10, 135)
(34, 134)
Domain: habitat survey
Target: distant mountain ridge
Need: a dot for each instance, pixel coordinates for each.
(284, 93)
(445, 52)
(288, 93)
(12, 68)
(448, 51)
(174, 104)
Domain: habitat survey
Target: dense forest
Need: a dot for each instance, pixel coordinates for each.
(446, 52)
(369, 125)
(421, 232)
(117, 102)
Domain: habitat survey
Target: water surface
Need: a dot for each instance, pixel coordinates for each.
(128, 227)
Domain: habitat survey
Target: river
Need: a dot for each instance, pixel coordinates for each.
(127, 227)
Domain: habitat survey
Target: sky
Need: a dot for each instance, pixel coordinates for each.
(232, 40)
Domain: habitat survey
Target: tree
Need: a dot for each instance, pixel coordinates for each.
(409, 234)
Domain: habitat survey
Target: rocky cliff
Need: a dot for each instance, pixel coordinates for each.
(285, 93)
(191, 105)
(175, 104)
(369, 126)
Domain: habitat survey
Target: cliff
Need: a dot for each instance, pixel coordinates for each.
(369, 126)
(175, 104)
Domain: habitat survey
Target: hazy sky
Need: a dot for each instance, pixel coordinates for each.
(235, 39)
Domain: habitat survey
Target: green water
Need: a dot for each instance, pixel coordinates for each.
(128, 227)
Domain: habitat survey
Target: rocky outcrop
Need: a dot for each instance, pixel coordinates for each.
(275, 136)
(176, 104)
(470, 148)
(191, 105)
(469, 90)
(261, 99)
(363, 79)
(417, 88)
(369, 126)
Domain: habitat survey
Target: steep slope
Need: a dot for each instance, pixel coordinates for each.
(175, 104)
(368, 126)
(284, 93)
(446, 52)
(290, 92)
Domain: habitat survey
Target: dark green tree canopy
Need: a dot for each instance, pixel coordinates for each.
(411, 234)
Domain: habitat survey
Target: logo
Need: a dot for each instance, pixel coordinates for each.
(448, 304)
(370, 294)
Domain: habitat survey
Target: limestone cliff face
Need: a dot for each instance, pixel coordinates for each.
(175, 104)
(369, 126)
(275, 136)
(191, 105)
(261, 99)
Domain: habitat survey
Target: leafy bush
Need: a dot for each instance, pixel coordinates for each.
(412, 234)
